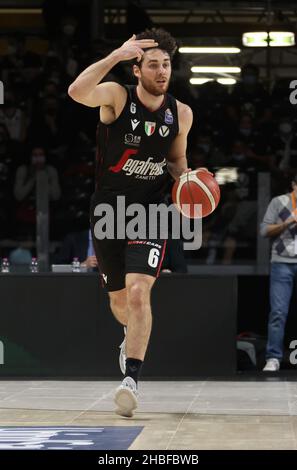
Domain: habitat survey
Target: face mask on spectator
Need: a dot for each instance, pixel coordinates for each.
(285, 127)
(38, 159)
(245, 131)
(249, 79)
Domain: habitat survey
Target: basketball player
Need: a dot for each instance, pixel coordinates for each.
(142, 135)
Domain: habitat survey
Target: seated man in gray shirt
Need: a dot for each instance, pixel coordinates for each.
(280, 223)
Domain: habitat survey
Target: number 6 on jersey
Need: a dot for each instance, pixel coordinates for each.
(153, 258)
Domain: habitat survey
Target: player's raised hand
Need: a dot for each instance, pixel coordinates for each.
(134, 48)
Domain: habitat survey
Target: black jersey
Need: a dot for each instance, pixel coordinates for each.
(132, 151)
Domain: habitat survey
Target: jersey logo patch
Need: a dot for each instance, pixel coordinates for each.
(163, 131)
(117, 168)
(149, 127)
(134, 123)
(168, 116)
(131, 139)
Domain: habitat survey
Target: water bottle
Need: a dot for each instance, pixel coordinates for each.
(75, 265)
(5, 268)
(34, 265)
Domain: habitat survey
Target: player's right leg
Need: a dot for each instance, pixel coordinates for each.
(111, 264)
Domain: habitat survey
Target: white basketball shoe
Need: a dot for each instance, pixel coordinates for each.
(126, 397)
(272, 365)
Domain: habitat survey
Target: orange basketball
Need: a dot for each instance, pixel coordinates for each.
(196, 193)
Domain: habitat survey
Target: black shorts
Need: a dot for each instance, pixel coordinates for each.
(117, 257)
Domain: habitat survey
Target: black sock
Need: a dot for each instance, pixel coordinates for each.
(133, 368)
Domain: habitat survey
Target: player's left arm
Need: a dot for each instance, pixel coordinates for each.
(176, 158)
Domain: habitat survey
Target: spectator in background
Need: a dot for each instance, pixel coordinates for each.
(21, 69)
(227, 130)
(8, 156)
(216, 228)
(13, 60)
(239, 156)
(77, 245)
(58, 17)
(284, 147)
(50, 88)
(236, 223)
(242, 156)
(241, 229)
(25, 180)
(9, 150)
(205, 147)
(13, 117)
(64, 48)
(247, 152)
(279, 96)
(266, 124)
(246, 131)
(249, 93)
(31, 77)
(25, 185)
(255, 142)
(67, 44)
(48, 125)
(54, 71)
(280, 224)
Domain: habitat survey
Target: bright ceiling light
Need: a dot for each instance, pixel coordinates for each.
(260, 39)
(226, 81)
(209, 50)
(200, 81)
(198, 69)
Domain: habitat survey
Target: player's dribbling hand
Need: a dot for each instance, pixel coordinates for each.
(133, 48)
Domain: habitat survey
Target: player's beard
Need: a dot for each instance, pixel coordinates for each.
(152, 88)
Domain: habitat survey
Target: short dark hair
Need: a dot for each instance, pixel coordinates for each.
(164, 39)
(294, 179)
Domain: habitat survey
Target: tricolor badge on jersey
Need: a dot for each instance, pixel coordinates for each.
(149, 127)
